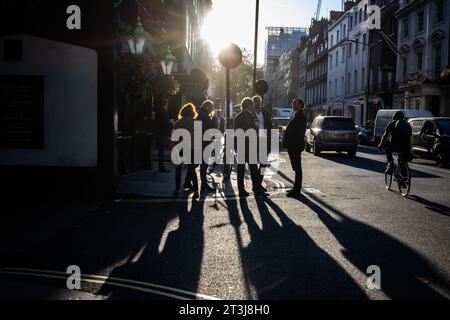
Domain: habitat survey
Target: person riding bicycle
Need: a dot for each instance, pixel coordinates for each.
(397, 138)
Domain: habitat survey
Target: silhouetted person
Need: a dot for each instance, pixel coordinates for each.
(186, 119)
(204, 115)
(294, 140)
(245, 120)
(162, 131)
(265, 125)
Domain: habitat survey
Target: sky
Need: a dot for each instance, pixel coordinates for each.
(234, 20)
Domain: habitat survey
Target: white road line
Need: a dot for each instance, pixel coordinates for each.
(119, 282)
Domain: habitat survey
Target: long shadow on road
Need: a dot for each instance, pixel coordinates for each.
(283, 262)
(369, 164)
(404, 273)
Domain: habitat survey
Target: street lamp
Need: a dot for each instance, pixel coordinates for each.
(138, 39)
(169, 64)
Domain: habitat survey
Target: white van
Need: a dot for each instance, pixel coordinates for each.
(384, 116)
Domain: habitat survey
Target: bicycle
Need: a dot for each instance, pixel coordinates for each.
(400, 173)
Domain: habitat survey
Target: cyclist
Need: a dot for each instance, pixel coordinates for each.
(397, 138)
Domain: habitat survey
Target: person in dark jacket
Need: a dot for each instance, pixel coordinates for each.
(294, 140)
(246, 120)
(162, 131)
(205, 116)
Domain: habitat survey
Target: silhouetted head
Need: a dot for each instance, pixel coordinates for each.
(247, 104)
(298, 104)
(188, 111)
(208, 106)
(257, 101)
(398, 116)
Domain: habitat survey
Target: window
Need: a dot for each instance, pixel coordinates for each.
(343, 54)
(419, 60)
(364, 42)
(365, 12)
(360, 15)
(356, 81)
(404, 68)
(356, 46)
(439, 10)
(349, 82)
(342, 85)
(420, 17)
(363, 79)
(331, 61)
(351, 23)
(337, 58)
(437, 59)
(349, 49)
(338, 36)
(405, 28)
(344, 34)
(335, 87)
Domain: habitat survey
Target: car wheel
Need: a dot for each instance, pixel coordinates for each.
(316, 149)
(441, 159)
(352, 153)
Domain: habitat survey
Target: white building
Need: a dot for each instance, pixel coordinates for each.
(337, 65)
(356, 62)
(423, 39)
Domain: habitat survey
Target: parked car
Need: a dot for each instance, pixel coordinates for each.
(431, 139)
(332, 134)
(281, 123)
(365, 135)
(384, 116)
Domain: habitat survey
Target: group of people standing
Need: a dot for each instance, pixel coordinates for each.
(252, 116)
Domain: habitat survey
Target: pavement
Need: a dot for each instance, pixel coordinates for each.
(320, 246)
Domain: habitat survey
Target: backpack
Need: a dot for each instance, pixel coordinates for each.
(401, 136)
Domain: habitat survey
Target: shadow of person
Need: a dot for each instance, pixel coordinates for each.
(283, 262)
(404, 273)
(175, 262)
(433, 206)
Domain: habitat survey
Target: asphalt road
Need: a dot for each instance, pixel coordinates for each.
(316, 247)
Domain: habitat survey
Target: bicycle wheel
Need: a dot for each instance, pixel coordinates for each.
(388, 180)
(404, 182)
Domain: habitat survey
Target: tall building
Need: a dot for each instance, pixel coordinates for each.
(337, 66)
(316, 68)
(357, 57)
(383, 60)
(279, 40)
(423, 40)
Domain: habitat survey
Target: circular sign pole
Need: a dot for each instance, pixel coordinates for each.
(230, 57)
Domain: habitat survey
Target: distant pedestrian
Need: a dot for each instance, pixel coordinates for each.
(162, 131)
(294, 140)
(245, 120)
(186, 119)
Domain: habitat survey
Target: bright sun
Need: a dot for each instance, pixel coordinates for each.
(223, 26)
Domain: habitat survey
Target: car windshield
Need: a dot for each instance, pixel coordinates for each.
(338, 124)
(444, 126)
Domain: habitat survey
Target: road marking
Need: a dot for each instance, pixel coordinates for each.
(118, 282)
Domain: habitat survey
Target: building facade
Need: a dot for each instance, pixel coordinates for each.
(337, 66)
(316, 68)
(423, 41)
(356, 103)
(279, 40)
(89, 100)
(383, 62)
